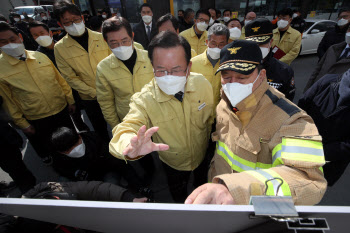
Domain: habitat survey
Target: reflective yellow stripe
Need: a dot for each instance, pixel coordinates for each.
(298, 149)
(268, 174)
(237, 163)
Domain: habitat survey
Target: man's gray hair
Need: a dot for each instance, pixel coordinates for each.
(218, 29)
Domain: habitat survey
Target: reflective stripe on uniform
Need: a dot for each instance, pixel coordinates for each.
(238, 164)
(298, 149)
(272, 185)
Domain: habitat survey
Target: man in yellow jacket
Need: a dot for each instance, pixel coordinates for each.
(35, 95)
(121, 74)
(176, 108)
(197, 35)
(286, 38)
(263, 140)
(77, 56)
(208, 62)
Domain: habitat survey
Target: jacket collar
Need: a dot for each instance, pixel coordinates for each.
(14, 61)
(160, 96)
(115, 62)
(246, 108)
(193, 33)
(289, 30)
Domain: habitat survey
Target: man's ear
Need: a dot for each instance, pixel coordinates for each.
(50, 32)
(177, 31)
(189, 68)
(262, 74)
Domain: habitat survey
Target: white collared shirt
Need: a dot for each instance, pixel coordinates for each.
(342, 53)
(150, 26)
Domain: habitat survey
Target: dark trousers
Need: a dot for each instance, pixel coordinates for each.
(44, 128)
(79, 123)
(178, 180)
(96, 118)
(12, 163)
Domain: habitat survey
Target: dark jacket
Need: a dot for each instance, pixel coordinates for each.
(332, 37)
(92, 166)
(140, 33)
(330, 64)
(280, 76)
(298, 24)
(80, 190)
(328, 103)
(48, 52)
(184, 26)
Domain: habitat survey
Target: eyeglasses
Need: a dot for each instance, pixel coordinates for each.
(175, 72)
(123, 43)
(203, 20)
(69, 23)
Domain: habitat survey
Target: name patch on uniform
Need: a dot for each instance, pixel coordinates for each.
(201, 106)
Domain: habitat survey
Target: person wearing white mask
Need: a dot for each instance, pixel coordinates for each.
(146, 29)
(84, 156)
(249, 17)
(171, 115)
(235, 27)
(44, 17)
(298, 23)
(286, 42)
(208, 62)
(120, 75)
(197, 35)
(77, 55)
(35, 94)
(227, 15)
(260, 136)
(335, 61)
(335, 35)
(279, 74)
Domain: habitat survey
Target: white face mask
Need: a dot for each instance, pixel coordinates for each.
(202, 26)
(342, 22)
(214, 53)
(16, 19)
(211, 21)
(295, 15)
(235, 33)
(265, 51)
(76, 29)
(347, 37)
(78, 151)
(236, 92)
(282, 24)
(147, 18)
(44, 40)
(44, 17)
(246, 22)
(226, 19)
(123, 52)
(171, 84)
(13, 49)
(104, 16)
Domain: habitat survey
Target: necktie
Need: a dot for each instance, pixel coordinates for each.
(179, 96)
(22, 58)
(345, 54)
(148, 32)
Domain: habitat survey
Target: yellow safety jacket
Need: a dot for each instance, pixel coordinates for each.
(198, 45)
(268, 138)
(115, 84)
(202, 65)
(185, 126)
(78, 66)
(290, 44)
(32, 89)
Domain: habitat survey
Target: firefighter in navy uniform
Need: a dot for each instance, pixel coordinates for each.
(279, 74)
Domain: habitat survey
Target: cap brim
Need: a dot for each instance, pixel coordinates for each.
(239, 67)
(259, 39)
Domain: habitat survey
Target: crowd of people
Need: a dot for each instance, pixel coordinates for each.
(209, 95)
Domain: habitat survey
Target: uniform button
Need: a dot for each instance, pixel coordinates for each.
(199, 101)
(97, 45)
(144, 67)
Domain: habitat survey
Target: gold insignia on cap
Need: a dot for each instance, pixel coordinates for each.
(255, 29)
(234, 50)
